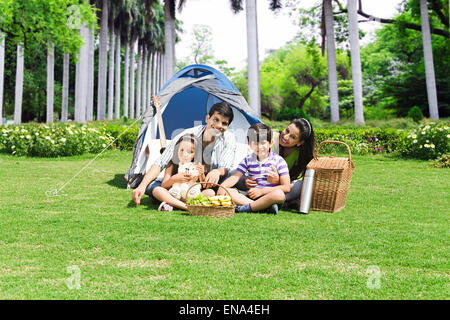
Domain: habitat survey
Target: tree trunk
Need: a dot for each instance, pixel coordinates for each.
(149, 79)
(65, 88)
(161, 71)
(50, 82)
(102, 64)
(90, 92)
(306, 97)
(132, 77)
(81, 87)
(144, 80)
(19, 85)
(2, 73)
(139, 82)
(111, 74)
(356, 62)
(126, 78)
(157, 72)
(117, 76)
(331, 58)
(153, 72)
(429, 64)
(253, 60)
(169, 43)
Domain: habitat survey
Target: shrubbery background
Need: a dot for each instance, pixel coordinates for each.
(428, 140)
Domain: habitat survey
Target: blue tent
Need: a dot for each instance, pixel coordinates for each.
(185, 101)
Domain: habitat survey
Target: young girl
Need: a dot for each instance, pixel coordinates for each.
(187, 149)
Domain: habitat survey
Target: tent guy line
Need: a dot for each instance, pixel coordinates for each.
(55, 192)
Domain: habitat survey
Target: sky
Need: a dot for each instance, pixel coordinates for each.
(274, 30)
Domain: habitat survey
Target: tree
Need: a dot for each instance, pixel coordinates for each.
(201, 44)
(65, 90)
(394, 69)
(91, 67)
(252, 50)
(102, 71)
(81, 86)
(356, 61)
(41, 22)
(50, 81)
(139, 81)
(254, 94)
(170, 37)
(19, 85)
(428, 58)
(2, 73)
(331, 57)
(117, 75)
(111, 71)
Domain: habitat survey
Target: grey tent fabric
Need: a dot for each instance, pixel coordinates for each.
(206, 83)
(233, 98)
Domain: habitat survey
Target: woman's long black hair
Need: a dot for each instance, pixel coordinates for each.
(306, 153)
(175, 161)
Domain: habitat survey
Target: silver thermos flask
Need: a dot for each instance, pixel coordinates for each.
(307, 189)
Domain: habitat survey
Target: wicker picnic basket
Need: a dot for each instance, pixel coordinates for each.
(331, 180)
(216, 212)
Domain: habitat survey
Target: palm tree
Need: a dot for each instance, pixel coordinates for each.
(50, 81)
(2, 70)
(331, 58)
(125, 79)
(81, 85)
(101, 91)
(144, 79)
(169, 31)
(111, 72)
(125, 20)
(139, 81)
(429, 64)
(154, 62)
(149, 79)
(90, 92)
(65, 88)
(19, 85)
(132, 75)
(356, 62)
(117, 76)
(254, 95)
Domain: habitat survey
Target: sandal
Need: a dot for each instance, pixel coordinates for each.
(164, 206)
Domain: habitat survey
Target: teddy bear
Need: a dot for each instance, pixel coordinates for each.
(179, 189)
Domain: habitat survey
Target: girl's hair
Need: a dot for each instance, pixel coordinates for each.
(175, 161)
(306, 153)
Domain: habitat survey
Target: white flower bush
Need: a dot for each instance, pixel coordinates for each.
(430, 140)
(55, 140)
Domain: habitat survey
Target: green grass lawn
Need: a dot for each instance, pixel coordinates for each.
(396, 219)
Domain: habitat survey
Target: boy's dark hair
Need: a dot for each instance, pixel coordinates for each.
(224, 109)
(259, 132)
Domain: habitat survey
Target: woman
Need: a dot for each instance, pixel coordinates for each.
(296, 145)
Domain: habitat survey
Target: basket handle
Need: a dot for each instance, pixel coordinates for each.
(340, 142)
(216, 185)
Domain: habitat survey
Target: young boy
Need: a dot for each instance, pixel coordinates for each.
(257, 165)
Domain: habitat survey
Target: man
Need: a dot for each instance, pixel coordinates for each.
(218, 152)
